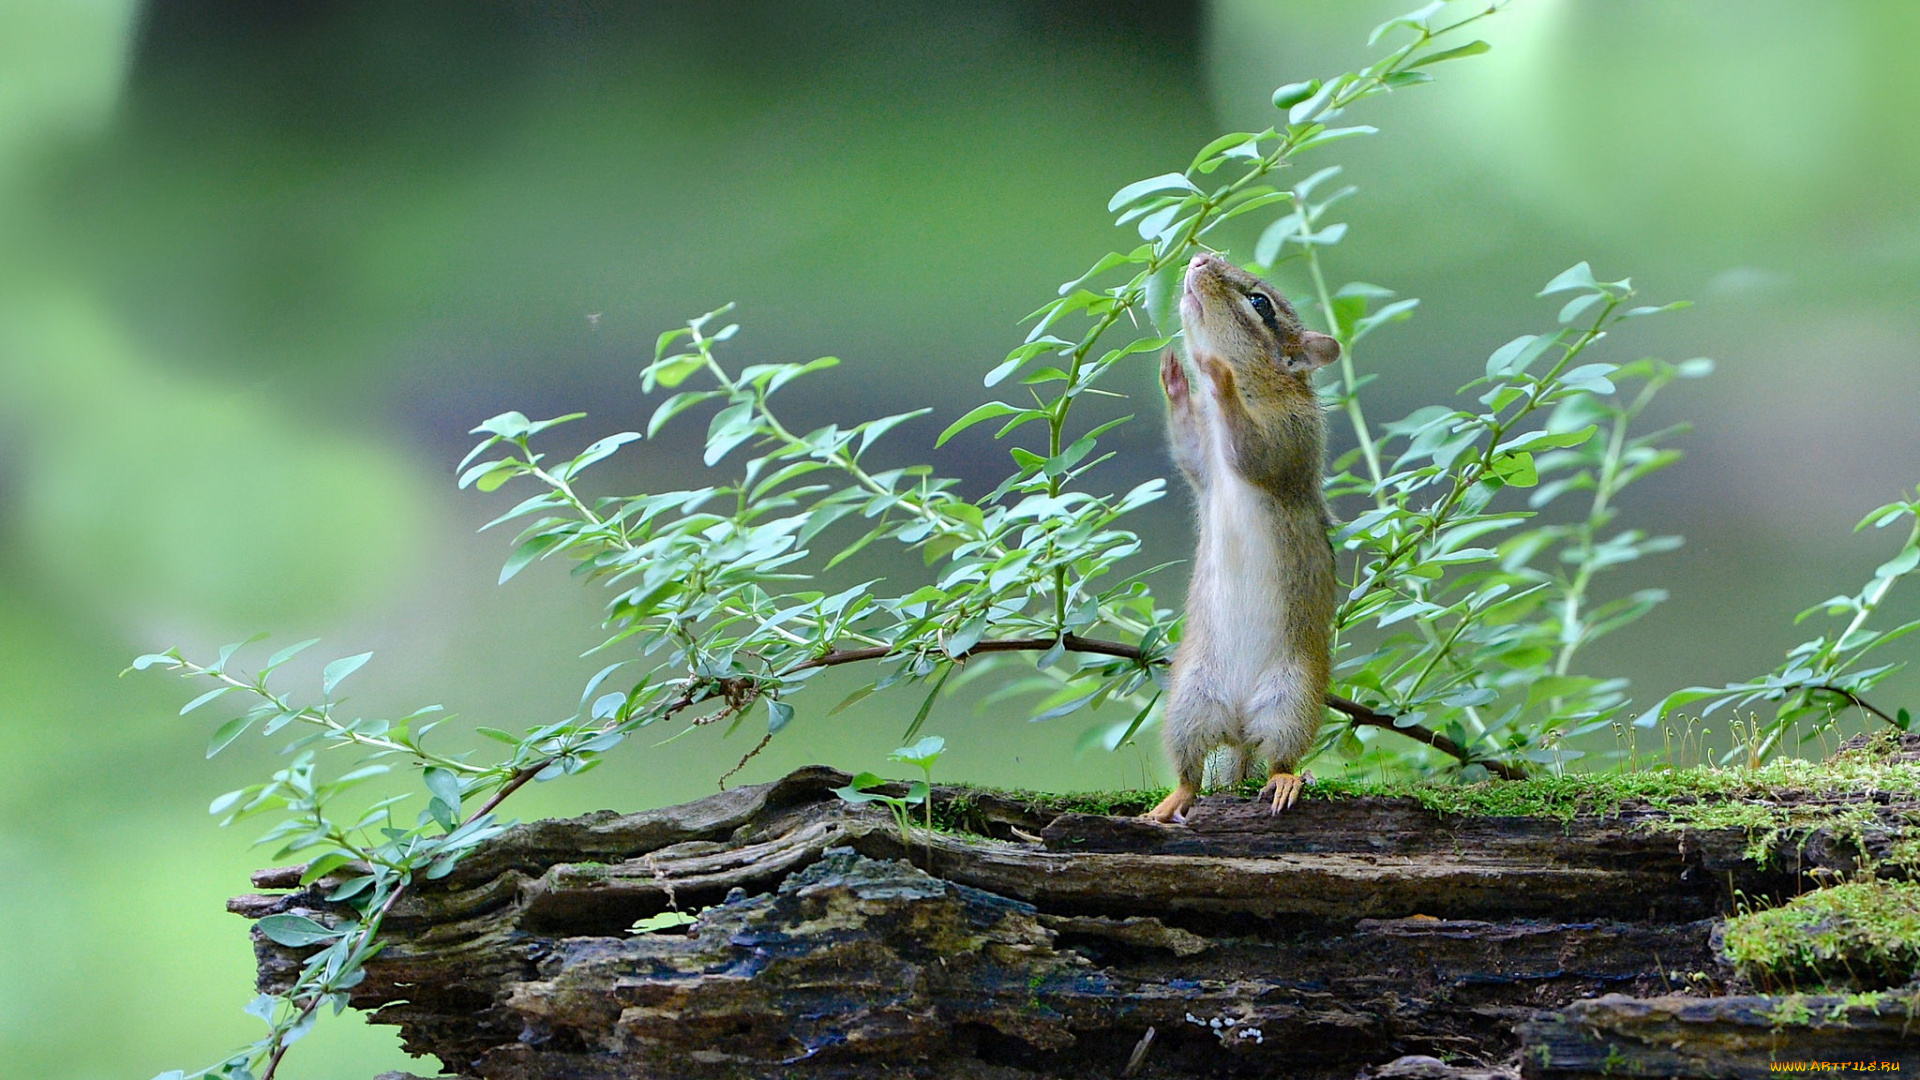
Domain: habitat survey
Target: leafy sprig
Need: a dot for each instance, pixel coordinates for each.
(718, 594)
(1827, 675)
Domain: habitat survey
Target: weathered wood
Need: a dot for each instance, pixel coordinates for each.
(1344, 934)
(1736, 1038)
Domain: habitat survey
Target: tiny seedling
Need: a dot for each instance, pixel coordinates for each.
(860, 792)
(922, 755)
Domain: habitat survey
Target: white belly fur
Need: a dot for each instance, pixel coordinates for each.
(1237, 577)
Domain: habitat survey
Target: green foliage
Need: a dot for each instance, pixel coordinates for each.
(1825, 676)
(921, 755)
(1465, 612)
(1470, 615)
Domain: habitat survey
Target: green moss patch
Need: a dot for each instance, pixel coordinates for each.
(1845, 795)
(1863, 934)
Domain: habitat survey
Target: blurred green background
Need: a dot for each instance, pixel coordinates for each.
(263, 263)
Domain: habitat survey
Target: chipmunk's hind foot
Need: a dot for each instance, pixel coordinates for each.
(1284, 790)
(1172, 809)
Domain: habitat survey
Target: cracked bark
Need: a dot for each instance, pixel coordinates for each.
(1339, 937)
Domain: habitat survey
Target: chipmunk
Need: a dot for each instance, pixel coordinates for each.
(1251, 672)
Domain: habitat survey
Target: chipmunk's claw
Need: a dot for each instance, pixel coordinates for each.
(1284, 790)
(1172, 809)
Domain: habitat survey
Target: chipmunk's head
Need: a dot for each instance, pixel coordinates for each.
(1234, 316)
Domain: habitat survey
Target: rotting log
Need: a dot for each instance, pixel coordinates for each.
(1737, 1038)
(1344, 935)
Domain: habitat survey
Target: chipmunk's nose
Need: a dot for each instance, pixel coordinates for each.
(1201, 264)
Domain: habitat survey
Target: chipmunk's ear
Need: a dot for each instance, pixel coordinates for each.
(1316, 351)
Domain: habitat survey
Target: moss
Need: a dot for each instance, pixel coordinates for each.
(1707, 797)
(959, 812)
(1110, 803)
(1826, 1010)
(1785, 798)
(1863, 934)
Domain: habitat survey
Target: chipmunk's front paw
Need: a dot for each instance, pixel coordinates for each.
(1172, 809)
(1284, 789)
(1174, 378)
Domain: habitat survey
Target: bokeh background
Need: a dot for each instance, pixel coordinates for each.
(263, 262)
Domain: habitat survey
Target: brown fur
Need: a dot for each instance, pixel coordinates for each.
(1252, 670)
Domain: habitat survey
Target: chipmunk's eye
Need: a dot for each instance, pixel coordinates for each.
(1263, 307)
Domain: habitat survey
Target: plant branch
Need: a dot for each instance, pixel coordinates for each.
(1855, 700)
(1358, 713)
(1366, 717)
(370, 927)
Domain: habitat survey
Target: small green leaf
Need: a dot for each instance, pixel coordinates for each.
(729, 428)
(324, 865)
(491, 480)
(1398, 311)
(1139, 189)
(984, 412)
(288, 653)
(1513, 357)
(1579, 304)
(966, 636)
(926, 706)
(1286, 97)
(444, 785)
(671, 373)
(296, 931)
(598, 451)
(507, 425)
(526, 553)
(852, 699)
(1516, 470)
(1900, 565)
(1350, 746)
(666, 920)
(779, 715)
(1471, 48)
(1070, 706)
(351, 888)
(873, 429)
(228, 732)
(1313, 104)
(675, 405)
(331, 675)
(1415, 20)
(203, 699)
(922, 754)
(856, 792)
(1577, 276)
(668, 338)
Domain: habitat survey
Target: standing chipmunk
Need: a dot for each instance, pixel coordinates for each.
(1251, 672)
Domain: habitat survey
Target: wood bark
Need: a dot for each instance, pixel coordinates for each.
(1364, 936)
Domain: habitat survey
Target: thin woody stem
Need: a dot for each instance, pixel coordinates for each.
(1855, 700)
(1358, 713)
(371, 926)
